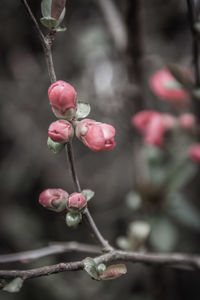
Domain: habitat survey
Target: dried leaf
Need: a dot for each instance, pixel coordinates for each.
(113, 272)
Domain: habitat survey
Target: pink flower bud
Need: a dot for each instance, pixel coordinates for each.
(61, 131)
(165, 86)
(63, 99)
(187, 121)
(95, 135)
(54, 199)
(76, 201)
(194, 152)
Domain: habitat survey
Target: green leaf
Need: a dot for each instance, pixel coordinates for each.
(14, 286)
(113, 272)
(179, 173)
(73, 219)
(61, 29)
(101, 268)
(163, 235)
(54, 147)
(83, 110)
(181, 75)
(46, 8)
(89, 194)
(91, 268)
(49, 22)
(183, 211)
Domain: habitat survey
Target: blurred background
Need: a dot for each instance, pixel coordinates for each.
(108, 53)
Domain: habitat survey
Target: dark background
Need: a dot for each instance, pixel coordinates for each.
(111, 73)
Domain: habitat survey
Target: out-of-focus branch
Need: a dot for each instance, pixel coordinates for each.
(47, 43)
(135, 51)
(115, 23)
(195, 43)
(53, 248)
(177, 260)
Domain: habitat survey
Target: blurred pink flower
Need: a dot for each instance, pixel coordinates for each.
(166, 87)
(60, 131)
(96, 135)
(194, 152)
(153, 125)
(187, 121)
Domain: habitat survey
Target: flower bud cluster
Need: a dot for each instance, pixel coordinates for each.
(95, 135)
(59, 200)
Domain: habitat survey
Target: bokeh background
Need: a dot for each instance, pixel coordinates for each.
(108, 53)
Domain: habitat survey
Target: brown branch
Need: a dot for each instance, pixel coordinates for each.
(177, 260)
(47, 44)
(53, 248)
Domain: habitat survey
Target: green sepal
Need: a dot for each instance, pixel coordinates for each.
(83, 110)
(54, 147)
(49, 22)
(89, 194)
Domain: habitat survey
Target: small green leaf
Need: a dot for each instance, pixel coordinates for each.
(89, 194)
(83, 110)
(164, 234)
(91, 268)
(54, 147)
(49, 22)
(101, 268)
(14, 286)
(113, 272)
(73, 219)
(61, 29)
(46, 8)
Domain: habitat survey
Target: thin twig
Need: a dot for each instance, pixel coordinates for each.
(195, 43)
(98, 236)
(53, 248)
(47, 44)
(176, 260)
